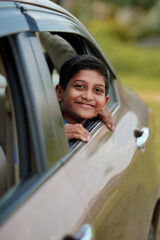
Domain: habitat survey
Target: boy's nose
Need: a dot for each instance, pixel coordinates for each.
(88, 95)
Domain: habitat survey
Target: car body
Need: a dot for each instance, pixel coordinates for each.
(107, 188)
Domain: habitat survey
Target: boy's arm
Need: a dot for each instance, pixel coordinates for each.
(76, 131)
(106, 116)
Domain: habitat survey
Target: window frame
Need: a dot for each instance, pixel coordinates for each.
(12, 19)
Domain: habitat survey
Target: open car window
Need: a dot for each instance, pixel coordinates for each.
(58, 48)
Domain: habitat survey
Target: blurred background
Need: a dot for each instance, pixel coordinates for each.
(128, 32)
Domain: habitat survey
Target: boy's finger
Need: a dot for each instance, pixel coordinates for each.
(109, 123)
(106, 116)
(83, 130)
(77, 131)
(80, 137)
(110, 126)
(84, 134)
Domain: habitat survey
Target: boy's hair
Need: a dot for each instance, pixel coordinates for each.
(83, 62)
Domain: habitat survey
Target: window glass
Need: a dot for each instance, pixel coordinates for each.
(9, 161)
(15, 163)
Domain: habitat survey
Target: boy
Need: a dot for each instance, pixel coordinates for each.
(83, 93)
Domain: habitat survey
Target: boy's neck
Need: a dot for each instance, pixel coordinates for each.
(70, 120)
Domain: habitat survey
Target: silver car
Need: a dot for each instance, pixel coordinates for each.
(50, 188)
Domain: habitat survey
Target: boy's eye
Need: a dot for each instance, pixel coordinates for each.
(98, 90)
(79, 86)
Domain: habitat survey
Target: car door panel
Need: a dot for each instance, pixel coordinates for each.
(52, 210)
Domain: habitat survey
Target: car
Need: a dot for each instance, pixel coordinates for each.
(108, 188)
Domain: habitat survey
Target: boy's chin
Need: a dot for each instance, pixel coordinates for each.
(81, 116)
(87, 116)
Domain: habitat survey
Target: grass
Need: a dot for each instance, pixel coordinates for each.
(137, 67)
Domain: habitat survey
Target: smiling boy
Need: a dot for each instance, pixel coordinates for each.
(83, 94)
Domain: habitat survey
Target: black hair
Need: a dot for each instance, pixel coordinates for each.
(83, 62)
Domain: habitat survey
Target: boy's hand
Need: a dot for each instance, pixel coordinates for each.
(106, 116)
(76, 131)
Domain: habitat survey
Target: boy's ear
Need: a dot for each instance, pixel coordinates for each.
(59, 92)
(107, 99)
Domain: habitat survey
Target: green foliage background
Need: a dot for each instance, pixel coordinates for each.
(141, 3)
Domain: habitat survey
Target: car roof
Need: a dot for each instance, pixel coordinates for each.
(42, 3)
(47, 4)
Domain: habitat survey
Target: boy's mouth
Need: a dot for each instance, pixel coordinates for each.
(85, 105)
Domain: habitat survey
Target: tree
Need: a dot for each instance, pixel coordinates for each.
(64, 3)
(146, 4)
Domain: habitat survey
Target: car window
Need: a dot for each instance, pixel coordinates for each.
(59, 47)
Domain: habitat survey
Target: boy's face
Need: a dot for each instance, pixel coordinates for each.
(83, 97)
